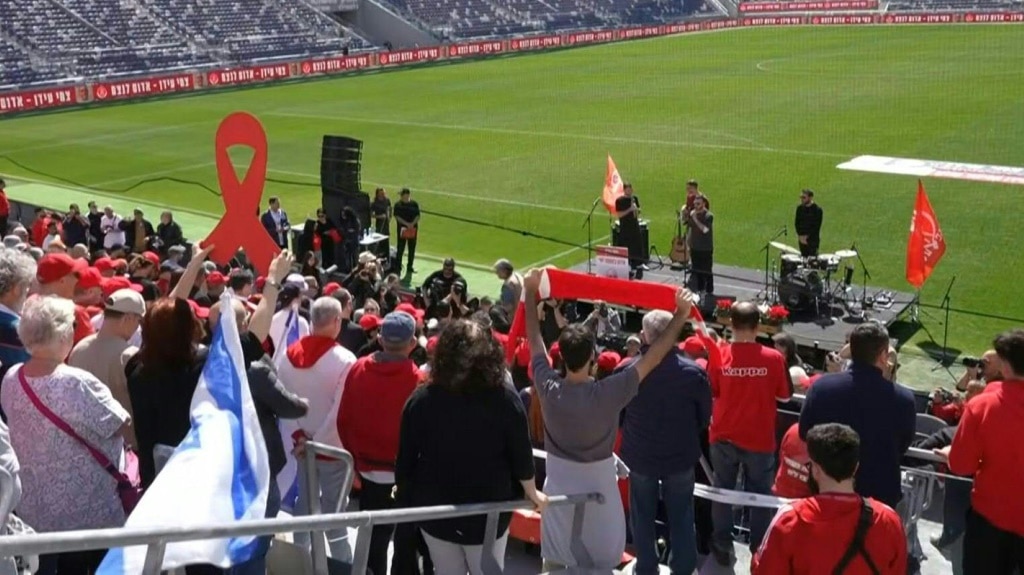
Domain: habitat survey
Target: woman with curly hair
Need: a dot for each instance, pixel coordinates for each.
(464, 439)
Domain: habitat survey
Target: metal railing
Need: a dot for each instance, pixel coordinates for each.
(157, 538)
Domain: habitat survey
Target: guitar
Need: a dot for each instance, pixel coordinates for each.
(680, 253)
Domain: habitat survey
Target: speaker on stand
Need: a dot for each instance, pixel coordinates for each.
(341, 187)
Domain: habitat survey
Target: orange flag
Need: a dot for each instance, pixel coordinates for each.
(612, 186)
(926, 245)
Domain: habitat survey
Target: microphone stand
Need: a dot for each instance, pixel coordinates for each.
(767, 251)
(590, 233)
(864, 284)
(945, 324)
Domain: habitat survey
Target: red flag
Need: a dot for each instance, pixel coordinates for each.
(612, 186)
(926, 245)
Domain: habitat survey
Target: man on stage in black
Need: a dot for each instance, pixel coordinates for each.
(407, 214)
(627, 210)
(808, 224)
(702, 247)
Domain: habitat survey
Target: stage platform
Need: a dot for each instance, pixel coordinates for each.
(828, 329)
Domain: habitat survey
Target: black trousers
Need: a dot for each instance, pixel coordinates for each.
(73, 563)
(630, 238)
(402, 242)
(376, 497)
(381, 225)
(988, 550)
(810, 248)
(701, 278)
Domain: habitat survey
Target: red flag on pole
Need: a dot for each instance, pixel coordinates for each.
(926, 245)
(612, 186)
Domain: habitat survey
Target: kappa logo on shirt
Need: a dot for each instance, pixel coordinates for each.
(745, 371)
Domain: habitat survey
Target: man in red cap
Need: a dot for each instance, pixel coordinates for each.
(89, 291)
(105, 266)
(57, 275)
(215, 285)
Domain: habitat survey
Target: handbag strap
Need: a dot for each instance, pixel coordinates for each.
(104, 462)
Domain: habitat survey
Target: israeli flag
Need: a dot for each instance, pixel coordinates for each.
(218, 474)
(288, 479)
(291, 332)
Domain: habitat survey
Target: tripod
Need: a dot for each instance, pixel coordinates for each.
(767, 277)
(944, 357)
(588, 223)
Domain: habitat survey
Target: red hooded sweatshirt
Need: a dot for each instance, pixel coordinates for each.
(376, 390)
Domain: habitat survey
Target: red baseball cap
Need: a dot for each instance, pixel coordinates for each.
(199, 311)
(608, 360)
(411, 310)
(152, 257)
(104, 264)
(368, 322)
(332, 287)
(215, 279)
(55, 267)
(693, 346)
(90, 278)
(121, 263)
(111, 285)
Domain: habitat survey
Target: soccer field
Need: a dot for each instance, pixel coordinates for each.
(755, 115)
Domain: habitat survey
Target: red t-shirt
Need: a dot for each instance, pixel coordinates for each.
(5, 206)
(750, 380)
(987, 446)
(791, 479)
(811, 535)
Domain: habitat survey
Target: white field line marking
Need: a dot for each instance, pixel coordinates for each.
(101, 137)
(450, 194)
(151, 174)
(570, 136)
(565, 253)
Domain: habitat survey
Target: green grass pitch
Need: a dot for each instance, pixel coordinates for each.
(755, 115)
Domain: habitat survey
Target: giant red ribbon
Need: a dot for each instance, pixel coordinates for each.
(240, 226)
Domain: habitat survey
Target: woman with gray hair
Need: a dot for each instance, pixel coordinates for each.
(63, 486)
(17, 270)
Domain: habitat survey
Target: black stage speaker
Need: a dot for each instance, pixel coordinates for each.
(645, 239)
(340, 164)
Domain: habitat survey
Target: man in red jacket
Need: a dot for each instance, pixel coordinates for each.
(987, 445)
(836, 530)
(376, 390)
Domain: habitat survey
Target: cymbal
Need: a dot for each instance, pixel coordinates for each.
(846, 253)
(784, 247)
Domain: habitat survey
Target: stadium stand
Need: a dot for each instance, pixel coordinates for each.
(956, 5)
(45, 40)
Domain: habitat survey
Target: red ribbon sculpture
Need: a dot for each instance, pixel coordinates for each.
(240, 226)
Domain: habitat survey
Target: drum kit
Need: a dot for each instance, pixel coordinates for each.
(805, 283)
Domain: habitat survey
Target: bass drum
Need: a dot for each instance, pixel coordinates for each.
(799, 290)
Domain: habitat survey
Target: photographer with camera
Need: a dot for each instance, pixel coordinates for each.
(983, 369)
(438, 285)
(362, 282)
(603, 320)
(456, 300)
(76, 227)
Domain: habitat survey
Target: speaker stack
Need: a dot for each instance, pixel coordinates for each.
(340, 184)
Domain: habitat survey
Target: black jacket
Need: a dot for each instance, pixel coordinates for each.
(128, 226)
(170, 235)
(808, 222)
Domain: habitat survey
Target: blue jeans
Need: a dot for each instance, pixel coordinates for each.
(677, 493)
(758, 477)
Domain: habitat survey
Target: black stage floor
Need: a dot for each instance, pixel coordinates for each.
(828, 328)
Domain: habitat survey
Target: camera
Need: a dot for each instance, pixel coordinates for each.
(971, 362)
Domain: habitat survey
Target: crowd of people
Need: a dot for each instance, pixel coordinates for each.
(100, 357)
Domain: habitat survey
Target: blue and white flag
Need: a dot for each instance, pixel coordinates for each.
(292, 333)
(288, 479)
(218, 474)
